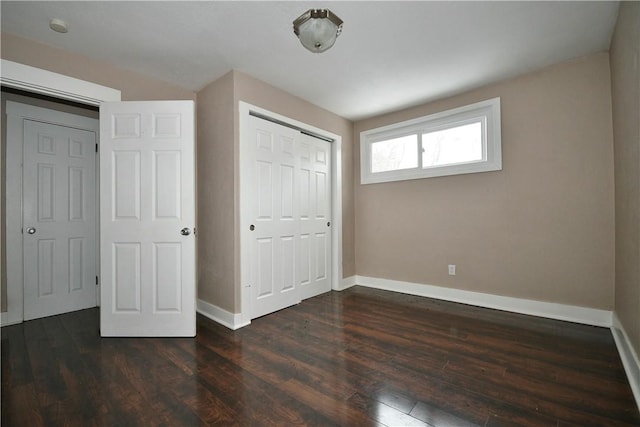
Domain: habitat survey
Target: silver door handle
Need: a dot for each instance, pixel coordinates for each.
(31, 230)
(185, 231)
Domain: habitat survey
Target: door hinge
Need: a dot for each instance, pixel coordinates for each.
(96, 280)
(96, 147)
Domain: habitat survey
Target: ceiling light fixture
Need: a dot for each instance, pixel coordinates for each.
(317, 29)
(58, 25)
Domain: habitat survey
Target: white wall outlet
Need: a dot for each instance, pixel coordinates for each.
(452, 269)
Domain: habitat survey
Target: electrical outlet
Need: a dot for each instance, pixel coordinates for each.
(452, 269)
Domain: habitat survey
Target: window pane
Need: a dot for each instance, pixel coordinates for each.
(394, 154)
(462, 144)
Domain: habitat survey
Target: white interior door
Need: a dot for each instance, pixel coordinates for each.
(314, 273)
(59, 218)
(275, 226)
(289, 208)
(147, 219)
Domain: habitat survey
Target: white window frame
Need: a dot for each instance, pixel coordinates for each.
(487, 112)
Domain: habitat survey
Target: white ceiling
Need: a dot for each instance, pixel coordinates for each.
(390, 55)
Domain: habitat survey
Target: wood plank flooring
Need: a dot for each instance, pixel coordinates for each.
(360, 357)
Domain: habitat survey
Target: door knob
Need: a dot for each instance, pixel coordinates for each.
(185, 231)
(31, 230)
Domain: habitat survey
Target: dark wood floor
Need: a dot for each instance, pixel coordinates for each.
(360, 357)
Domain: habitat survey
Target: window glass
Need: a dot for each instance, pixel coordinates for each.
(460, 144)
(394, 154)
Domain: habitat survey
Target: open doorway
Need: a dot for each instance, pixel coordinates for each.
(52, 121)
(37, 84)
(147, 162)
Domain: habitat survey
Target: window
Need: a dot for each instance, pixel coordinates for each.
(453, 142)
(394, 154)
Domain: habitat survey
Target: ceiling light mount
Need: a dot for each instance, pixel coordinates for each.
(58, 25)
(317, 29)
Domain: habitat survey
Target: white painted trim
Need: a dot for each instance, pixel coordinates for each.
(4, 320)
(46, 115)
(336, 202)
(346, 283)
(30, 79)
(36, 80)
(628, 355)
(232, 321)
(569, 313)
(487, 112)
(16, 114)
(13, 219)
(336, 208)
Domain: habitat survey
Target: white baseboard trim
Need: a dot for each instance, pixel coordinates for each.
(346, 283)
(219, 315)
(570, 313)
(5, 319)
(628, 355)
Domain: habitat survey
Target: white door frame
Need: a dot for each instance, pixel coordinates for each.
(17, 115)
(245, 220)
(36, 80)
(44, 82)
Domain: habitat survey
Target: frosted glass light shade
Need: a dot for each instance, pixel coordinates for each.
(317, 29)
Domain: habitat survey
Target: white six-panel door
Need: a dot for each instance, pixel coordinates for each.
(314, 181)
(147, 219)
(59, 218)
(290, 210)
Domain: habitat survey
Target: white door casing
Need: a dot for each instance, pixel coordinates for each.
(17, 114)
(289, 206)
(246, 294)
(36, 80)
(59, 209)
(147, 189)
(32, 79)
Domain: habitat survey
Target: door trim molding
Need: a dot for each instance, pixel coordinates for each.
(45, 82)
(36, 80)
(336, 202)
(629, 357)
(17, 113)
